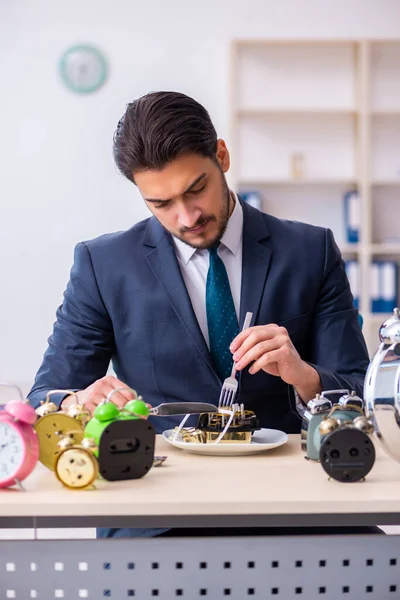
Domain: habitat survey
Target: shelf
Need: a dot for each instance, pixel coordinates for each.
(293, 112)
(341, 182)
(377, 317)
(385, 113)
(386, 182)
(384, 77)
(385, 248)
(332, 107)
(248, 183)
(296, 42)
(299, 75)
(388, 249)
(349, 248)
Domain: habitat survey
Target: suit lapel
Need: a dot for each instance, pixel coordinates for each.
(163, 263)
(255, 262)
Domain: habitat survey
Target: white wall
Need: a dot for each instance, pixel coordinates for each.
(58, 184)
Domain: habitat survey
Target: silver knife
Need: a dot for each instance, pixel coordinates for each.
(169, 409)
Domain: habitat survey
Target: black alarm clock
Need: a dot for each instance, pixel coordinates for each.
(126, 449)
(347, 452)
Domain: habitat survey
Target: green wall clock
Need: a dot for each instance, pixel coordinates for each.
(83, 69)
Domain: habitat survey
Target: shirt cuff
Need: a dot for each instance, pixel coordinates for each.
(300, 406)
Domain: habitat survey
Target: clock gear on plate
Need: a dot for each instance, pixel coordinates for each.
(52, 424)
(19, 444)
(235, 425)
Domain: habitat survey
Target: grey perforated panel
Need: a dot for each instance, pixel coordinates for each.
(239, 568)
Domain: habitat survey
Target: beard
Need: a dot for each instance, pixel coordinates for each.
(221, 220)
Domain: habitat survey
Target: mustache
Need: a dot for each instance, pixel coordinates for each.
(199, 223)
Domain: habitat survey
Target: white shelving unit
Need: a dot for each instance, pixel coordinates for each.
(337, 104)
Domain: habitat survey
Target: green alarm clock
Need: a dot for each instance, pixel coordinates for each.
(83, 69)
(107, 412)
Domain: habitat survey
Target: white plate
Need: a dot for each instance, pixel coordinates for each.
(262, 440)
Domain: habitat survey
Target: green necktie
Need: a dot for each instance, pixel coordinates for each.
(221, 315)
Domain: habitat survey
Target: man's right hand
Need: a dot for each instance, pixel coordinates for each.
(98, 391)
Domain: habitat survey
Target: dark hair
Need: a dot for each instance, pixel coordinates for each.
(159, 127)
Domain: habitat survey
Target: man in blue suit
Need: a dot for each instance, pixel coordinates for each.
(144, 299)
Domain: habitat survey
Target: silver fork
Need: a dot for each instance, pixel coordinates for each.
(230, 385)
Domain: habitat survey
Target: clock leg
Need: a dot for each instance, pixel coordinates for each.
(19, 484)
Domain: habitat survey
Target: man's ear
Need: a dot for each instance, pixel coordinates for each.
(222, 156)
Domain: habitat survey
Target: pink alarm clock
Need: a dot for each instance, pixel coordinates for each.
(19, 444)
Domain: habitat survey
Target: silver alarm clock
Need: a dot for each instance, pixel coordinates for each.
(382, 386)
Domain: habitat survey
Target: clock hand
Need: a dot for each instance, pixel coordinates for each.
(4, 446)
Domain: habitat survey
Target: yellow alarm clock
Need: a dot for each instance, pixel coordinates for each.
(76, 466)
(53, 424)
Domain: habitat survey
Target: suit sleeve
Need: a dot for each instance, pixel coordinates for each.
(338, 350)
(82, 343)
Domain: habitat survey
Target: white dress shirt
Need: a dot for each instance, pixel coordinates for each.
(194, 265)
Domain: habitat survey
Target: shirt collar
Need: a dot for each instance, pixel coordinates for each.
(231, 239)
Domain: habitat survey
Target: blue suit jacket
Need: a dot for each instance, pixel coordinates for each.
(126, 301)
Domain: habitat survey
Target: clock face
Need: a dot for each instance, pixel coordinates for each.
(12, 451)
(83, 69)
(76, 468)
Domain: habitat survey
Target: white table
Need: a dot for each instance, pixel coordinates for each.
(278, 488)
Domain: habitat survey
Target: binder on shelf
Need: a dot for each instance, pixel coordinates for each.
(252, 197)
(388, 279)
(383, 286)
(375, 287)
(352, 215)
(352, 269)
